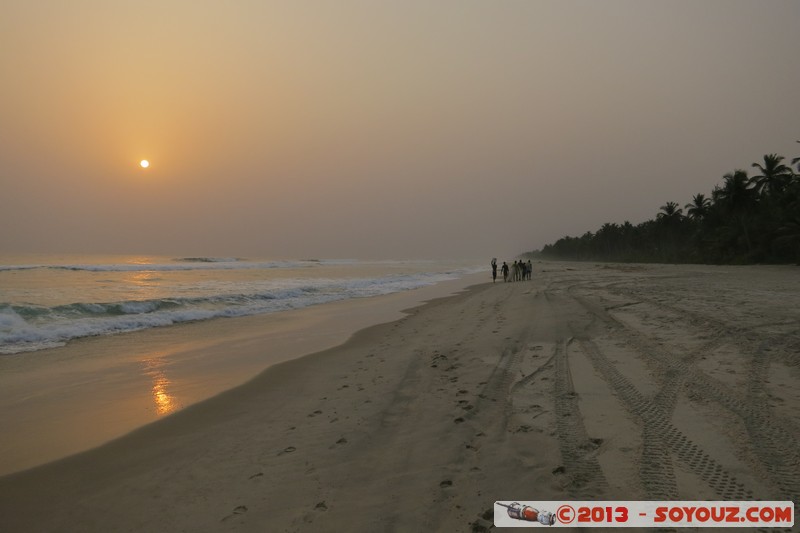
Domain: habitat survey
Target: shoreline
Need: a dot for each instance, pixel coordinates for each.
(69, 399)
(533, 390)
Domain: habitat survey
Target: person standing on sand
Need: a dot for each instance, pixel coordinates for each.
(529, 269)
(505, 271)
(494, 269)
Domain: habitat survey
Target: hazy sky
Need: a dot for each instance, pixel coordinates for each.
(377, 129)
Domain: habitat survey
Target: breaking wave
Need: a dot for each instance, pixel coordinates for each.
(25, 328)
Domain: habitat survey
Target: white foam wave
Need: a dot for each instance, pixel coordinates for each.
(24, 329)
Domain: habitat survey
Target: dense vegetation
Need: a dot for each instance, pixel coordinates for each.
(747, 219)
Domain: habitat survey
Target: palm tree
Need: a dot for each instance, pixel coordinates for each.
(774, 175)
(735, 192)
(699, 207)
(737, 200)
(670, 212)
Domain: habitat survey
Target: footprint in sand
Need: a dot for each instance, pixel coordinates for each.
(288, 449)
(237, 511)
(256, 475)
(446, 483)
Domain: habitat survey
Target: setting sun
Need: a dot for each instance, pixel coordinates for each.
(144, 163)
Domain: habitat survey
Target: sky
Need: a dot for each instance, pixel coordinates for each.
(377, 129)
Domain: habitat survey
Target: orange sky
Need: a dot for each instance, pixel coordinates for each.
(376, 129)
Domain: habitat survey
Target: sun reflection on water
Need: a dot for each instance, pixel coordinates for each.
(165, 402)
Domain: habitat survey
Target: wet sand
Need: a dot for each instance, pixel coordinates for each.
(609, 382)
(61, 401)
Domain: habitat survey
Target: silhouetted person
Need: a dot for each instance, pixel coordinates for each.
(494, 269)
(505, 271)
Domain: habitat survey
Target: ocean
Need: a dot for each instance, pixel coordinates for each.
(46, 301)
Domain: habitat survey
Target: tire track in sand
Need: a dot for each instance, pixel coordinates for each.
(766, 431)
(580, 464)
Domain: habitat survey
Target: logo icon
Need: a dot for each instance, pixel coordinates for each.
(529, 514)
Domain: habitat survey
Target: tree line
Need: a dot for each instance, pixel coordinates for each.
(747, 219)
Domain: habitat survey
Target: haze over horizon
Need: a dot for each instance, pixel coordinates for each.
(375, 129)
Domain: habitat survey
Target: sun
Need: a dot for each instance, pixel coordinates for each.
(144, 163)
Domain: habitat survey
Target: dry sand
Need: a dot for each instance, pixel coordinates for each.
(605, 382)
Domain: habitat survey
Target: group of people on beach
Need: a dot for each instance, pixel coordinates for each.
(518, 271)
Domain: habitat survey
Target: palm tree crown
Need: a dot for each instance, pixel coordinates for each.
(735, 192)
(670, 211)
(699, 206)
(774, 174)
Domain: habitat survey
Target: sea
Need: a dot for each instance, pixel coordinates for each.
(47, 301)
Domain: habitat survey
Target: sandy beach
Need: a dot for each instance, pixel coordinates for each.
(592, 381)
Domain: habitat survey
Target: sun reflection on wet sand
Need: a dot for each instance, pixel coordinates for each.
(165, 402)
